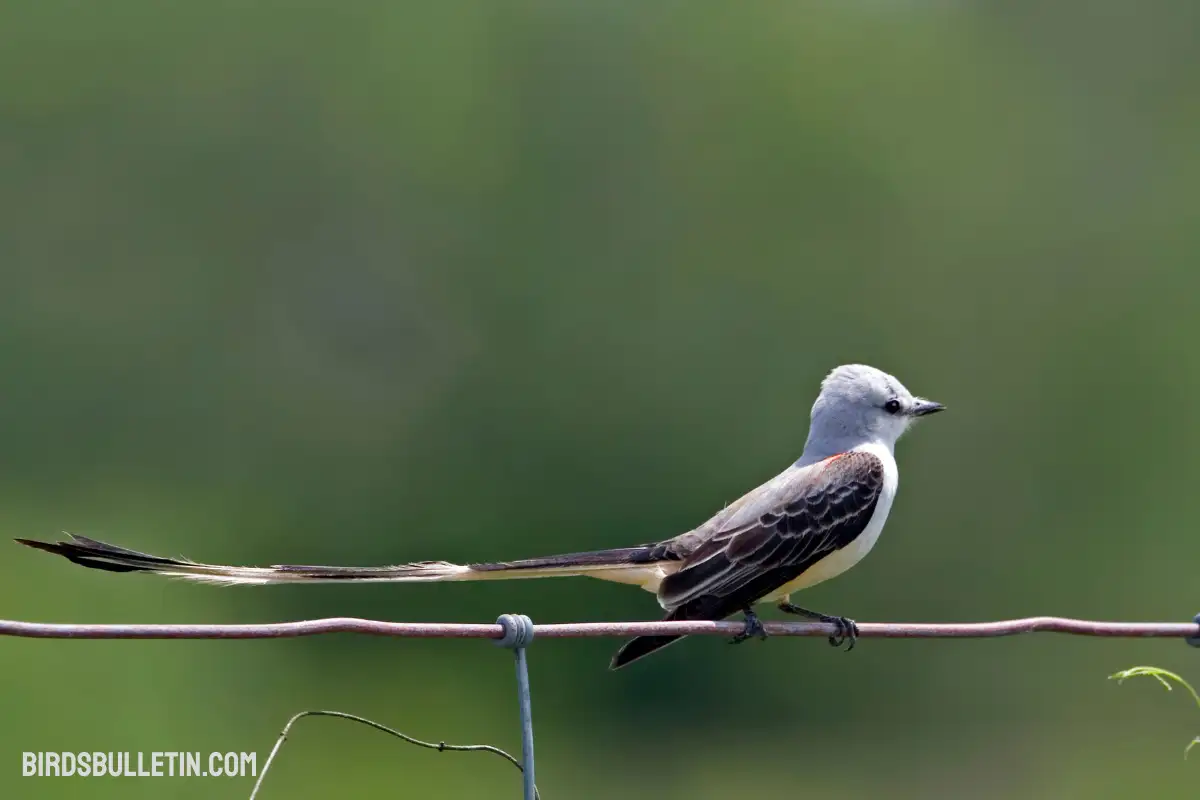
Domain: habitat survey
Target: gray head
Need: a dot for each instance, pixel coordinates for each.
(861, 404)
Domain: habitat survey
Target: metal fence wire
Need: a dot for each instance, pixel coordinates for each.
(517, 631)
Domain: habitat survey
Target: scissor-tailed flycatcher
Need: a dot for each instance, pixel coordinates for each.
(810, 523)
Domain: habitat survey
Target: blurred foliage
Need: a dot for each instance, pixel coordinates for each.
(374, 282)
(1165, 678)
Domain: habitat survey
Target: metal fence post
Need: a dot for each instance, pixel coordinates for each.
(518, 634)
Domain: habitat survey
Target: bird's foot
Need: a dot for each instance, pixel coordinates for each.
(754, 627)
(847, 630)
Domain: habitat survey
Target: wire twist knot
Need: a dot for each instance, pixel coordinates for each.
(518, 631)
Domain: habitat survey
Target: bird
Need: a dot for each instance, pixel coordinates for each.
(811, 522)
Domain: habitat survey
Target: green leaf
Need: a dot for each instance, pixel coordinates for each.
(1164, 677)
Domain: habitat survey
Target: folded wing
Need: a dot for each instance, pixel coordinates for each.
(827, 509)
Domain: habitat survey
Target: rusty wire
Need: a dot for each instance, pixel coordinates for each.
(315, 627)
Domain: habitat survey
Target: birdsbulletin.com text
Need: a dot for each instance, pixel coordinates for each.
(168, 764)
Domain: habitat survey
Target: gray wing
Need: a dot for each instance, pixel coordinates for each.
(740, 565)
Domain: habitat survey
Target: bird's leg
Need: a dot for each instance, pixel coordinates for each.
(754, 627)
(847, 630)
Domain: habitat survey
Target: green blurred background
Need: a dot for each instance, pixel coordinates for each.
(376, 282)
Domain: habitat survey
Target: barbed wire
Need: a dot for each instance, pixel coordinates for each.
(571, 630)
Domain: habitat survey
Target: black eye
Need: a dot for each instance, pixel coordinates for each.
(892, 406)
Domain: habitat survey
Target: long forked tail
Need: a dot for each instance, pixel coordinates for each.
(641, 646)
(638, 565)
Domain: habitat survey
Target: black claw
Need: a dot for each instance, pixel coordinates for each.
(754, 627)
(847, 630)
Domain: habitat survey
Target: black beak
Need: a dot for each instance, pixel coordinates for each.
(922, 407)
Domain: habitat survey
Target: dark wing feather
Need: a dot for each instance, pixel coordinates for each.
(739, 566)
